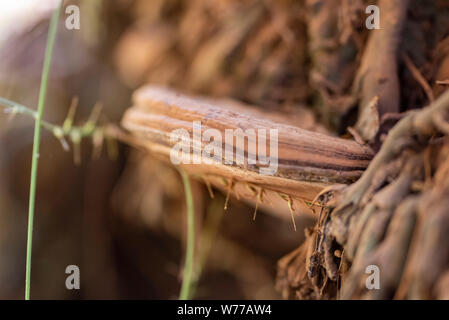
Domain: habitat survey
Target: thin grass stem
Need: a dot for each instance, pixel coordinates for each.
(188, 276)
(36, 142)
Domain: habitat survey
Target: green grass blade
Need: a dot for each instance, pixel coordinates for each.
(188, 279)
(36, 141)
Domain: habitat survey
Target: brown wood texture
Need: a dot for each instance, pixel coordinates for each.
(307, 161)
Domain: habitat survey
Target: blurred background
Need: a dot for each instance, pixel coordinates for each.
(122, 219)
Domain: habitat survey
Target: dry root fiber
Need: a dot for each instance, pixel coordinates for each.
(395, 217)
(287, 54)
